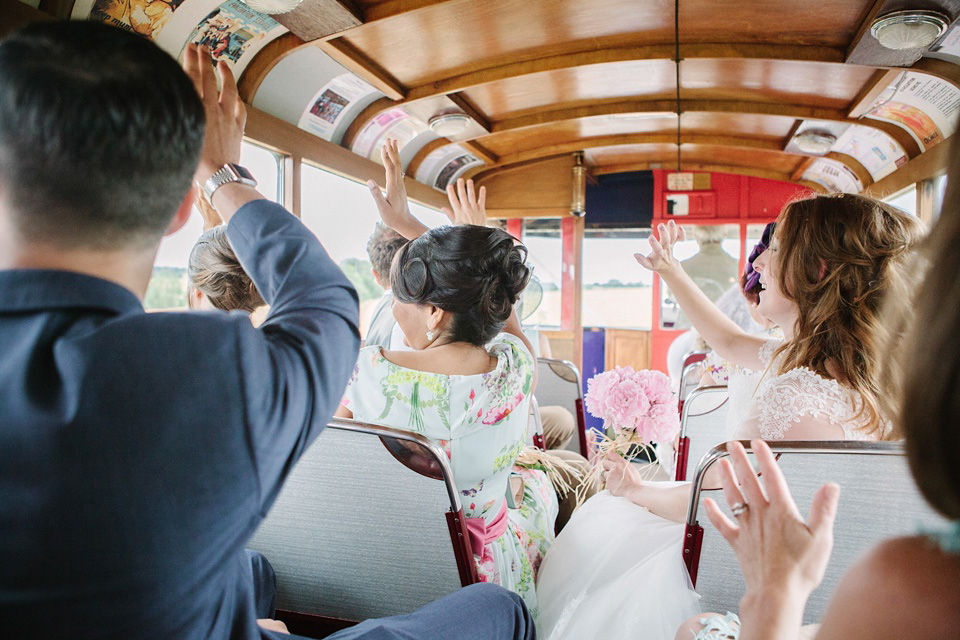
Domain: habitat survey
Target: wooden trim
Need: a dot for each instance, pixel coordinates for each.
(365, 116)
(800, 170)
(480, 151)
(426, 150)
(320, 19)
(932, 163)
(358, 62)
(289, 139)
(506, 214)
(871, 90)
(60, 9)
(665, 137)
(938, 68)
(471, 110)
(581, 54)
(746, 107)
(854, 165)
(264, 62)
(816, 187)
(756, 172)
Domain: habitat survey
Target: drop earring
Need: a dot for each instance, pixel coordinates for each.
(431, 335)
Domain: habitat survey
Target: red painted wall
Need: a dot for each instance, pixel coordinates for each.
(739, 200)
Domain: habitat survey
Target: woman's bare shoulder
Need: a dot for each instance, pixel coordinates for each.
(449, 361)
(903, 588)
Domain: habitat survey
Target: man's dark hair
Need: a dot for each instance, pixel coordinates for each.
(100, 135)
(381, 247)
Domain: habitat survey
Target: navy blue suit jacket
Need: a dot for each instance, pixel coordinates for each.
(139, 452)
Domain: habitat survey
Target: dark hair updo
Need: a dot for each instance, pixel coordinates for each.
(475, 273)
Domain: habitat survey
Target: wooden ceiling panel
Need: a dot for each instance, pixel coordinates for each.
(523, 139)
(735, 125)
(466, 35)
(647, 78)
(629, 154)
(813, 83)
(626, 155)
(819, 22)
(775, 160)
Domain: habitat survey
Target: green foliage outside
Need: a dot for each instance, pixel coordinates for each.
(360, 273)
(167, 290)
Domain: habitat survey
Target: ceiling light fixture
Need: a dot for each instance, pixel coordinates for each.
(815, 142)
(446, 125)
(273, 7)
(909, 29)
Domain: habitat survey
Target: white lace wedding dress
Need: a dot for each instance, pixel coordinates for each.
(615, 572)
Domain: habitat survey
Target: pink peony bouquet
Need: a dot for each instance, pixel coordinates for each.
(638, 402)
(638, 407)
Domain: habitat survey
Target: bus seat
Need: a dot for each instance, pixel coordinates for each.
(535, 426)
(703, 424)
(878, 500)
(689, 376)
(559, 384)
(357, 533)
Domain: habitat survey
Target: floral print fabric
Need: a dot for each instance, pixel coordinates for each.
(480, 421)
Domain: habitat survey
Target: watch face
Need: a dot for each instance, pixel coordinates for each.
(241, 171)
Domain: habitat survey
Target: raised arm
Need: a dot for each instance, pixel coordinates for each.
(293, 369)
(393, 207)
(719, 331)
(223, 134)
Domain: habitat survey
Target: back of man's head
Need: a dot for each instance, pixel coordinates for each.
(100, 135)
(381, 247)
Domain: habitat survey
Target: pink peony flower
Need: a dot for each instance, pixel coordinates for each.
(639, 401)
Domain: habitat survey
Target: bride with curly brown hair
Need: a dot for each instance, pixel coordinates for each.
(616, 569)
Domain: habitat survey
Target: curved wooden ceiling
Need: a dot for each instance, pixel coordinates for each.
(551, 78)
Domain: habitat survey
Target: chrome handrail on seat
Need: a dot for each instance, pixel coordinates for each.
(785, 446)
(683, 450)
(570, 365)
(399, 434)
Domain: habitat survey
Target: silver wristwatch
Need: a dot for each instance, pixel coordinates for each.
(225, 175)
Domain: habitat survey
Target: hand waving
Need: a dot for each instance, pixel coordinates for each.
(778, 552)
(661, 257)
(226, 115)
(467, 205)
(394, 208)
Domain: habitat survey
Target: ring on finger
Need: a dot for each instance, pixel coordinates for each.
(739, 509)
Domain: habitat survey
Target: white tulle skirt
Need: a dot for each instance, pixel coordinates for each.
(615, 572)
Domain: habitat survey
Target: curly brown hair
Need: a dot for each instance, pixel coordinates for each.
(840, 255)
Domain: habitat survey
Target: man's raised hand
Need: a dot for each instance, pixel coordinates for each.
(467, 205)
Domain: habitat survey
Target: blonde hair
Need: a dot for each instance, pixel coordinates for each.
(214, 270)
(838, 257)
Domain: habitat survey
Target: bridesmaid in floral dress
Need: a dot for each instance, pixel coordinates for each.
(467, 382)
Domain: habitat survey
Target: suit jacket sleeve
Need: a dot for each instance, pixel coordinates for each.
(294, 368)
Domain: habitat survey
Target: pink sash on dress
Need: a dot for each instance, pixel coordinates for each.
(481, 534)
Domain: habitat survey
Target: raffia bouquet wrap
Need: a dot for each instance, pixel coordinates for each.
(638, 407)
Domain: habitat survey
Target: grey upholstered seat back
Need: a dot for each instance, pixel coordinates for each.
(558, 384)
(356, 534)
(878, 500)
(704, 422)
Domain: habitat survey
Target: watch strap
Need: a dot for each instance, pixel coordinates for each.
(228, 173)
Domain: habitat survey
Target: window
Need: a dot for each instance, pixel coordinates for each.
(711, 256)
(617, 292)
(342, 213)
(541, 300)
(906, 200)
(168, 285)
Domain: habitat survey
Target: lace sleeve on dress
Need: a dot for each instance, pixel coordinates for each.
(785, 399)
(767, 349)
